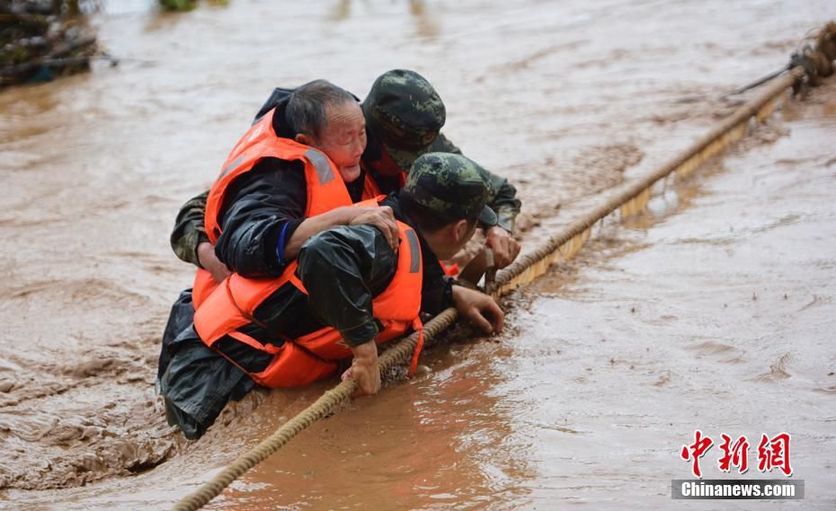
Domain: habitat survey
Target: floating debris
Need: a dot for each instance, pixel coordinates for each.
(43, 39)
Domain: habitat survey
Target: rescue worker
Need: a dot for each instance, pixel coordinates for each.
(347, 290)
(403, 115)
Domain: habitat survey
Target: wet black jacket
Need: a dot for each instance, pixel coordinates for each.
(343, 249)
(261, 206)
(342, 268)
(262, 202)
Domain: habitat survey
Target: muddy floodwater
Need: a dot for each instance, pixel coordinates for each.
(712, 311)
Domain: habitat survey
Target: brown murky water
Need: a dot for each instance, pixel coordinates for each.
(674, 322)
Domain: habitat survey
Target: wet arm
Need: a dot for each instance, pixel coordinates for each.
(263, 224)
(188, 231)
(313, 225)
(262, 208)
(343, 269)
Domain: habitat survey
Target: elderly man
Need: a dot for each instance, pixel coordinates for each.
(403, 115)
(347, 291)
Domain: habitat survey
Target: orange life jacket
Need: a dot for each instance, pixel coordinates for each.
(325, 187)
(313, 356)
(372, 189)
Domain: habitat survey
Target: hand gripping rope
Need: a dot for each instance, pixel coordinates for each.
(805, 67)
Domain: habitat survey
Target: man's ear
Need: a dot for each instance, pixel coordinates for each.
(303, 139)
(461, 230)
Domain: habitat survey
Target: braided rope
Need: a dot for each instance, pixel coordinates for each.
(322, 407)
(562, 246)
(633, 196)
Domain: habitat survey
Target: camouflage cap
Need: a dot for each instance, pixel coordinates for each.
(452, 186)
(405, 113)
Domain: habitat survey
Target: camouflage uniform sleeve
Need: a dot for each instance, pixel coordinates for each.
(188, 230)
(504, 201)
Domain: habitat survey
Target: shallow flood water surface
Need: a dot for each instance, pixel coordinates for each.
(712, 310)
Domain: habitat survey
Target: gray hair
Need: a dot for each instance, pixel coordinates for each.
(307, 104)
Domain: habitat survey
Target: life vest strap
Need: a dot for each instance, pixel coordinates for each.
(419, 346)
(272, 349)
(297, 283)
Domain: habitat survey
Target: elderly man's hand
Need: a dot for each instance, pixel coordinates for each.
(505, 247)
(210, 262)
(365, 369)
(380, 217)
(479, 308)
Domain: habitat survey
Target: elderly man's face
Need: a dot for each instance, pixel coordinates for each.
(343, 139)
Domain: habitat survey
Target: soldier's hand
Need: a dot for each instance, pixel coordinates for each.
(505, 247)
(364, 369)
(380, 217)
(210, 262)
(479, 308)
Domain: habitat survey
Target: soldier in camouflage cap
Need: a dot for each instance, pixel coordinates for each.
(451, 186)
(404, 115)
(405, 111)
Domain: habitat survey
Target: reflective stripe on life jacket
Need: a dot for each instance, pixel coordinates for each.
(313, 356)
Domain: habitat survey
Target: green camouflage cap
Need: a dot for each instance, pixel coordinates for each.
(452, 186)
(405, 113)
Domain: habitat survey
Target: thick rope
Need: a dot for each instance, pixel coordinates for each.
(322, 407)
(631, 199)
(635, 195)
